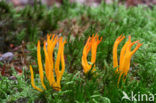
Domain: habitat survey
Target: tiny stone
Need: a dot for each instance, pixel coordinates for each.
(6, 57)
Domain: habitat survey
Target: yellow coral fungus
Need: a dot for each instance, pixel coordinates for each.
(125, 55)
(48, 48)
(32, 80)
(115, 58)
(91, 44)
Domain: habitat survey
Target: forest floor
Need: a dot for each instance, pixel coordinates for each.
(21, 29)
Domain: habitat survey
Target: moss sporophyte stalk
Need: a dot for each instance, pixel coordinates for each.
(125, 55)
(48, 48)
(91, 45)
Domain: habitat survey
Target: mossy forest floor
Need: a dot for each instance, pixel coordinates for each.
(21, 29)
